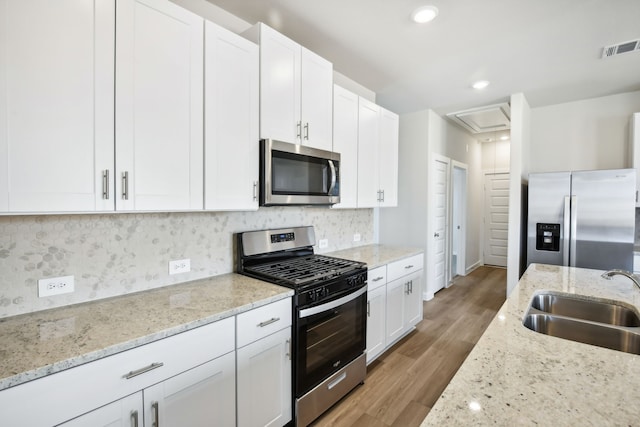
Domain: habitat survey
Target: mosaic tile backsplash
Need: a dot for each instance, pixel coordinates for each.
(115, 254)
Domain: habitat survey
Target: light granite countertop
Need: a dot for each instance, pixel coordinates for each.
(42, 343)
(376, 255)
(517, 377)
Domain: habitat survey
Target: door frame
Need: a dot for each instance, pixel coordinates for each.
(459, 188)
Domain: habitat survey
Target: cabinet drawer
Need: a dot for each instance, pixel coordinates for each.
(263, 321)
(403, 267)
(377, 277)
(86, 387)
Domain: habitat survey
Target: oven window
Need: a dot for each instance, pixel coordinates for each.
(299, 174)
(328, 341)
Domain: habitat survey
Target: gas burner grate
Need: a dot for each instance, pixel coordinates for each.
(302, 270)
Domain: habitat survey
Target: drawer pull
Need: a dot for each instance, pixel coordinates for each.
(377, 279)
(143, 370)
(408, 266)
(134, 418)
(268, 322)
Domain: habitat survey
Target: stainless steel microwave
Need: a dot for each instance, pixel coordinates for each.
(293, 174)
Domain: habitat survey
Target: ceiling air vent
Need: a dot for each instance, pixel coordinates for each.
(620, 48)
(490, 118)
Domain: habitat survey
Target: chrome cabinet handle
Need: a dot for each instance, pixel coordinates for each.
(268, 322)
(436, 234)
(125, 185)
(368, 308)
(289, 349)
(255, 191)
(134, 418)
(408, 266)
(410, 286)
(299, 130)
(382, 192)
(156, 414)
(377, 279)
(105, 184)
(306, 131)
(144, 370)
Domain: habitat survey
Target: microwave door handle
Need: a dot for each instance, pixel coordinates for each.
(333, 176)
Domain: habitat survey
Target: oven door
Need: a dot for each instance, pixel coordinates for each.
(293, 174)
(328, 337)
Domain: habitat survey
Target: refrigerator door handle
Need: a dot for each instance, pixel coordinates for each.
(565, 231)
(574, 229)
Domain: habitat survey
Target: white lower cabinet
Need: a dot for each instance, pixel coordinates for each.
(192, 399)
(394, 303)
(264, 366)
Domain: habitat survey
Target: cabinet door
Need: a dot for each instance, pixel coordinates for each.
(126, 412)
(316, 100)
(264, 381)
(368, 141)
(159, 106)
(376, 321)
(389, 126)
(200, 397)
(413, 300)
(345, 142)
(56, 105)
(231, 120)
(395, 310)
(279, 86)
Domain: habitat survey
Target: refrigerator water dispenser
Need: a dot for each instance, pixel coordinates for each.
(548, 237)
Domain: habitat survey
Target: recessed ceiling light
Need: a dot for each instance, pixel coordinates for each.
(424, 14)
(504, 138)
(480, 84)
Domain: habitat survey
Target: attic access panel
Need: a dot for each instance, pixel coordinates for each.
(489, 118)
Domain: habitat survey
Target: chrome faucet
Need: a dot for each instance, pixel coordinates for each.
(609, 274)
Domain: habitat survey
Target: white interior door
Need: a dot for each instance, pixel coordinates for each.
(440, 203)
(496, 218)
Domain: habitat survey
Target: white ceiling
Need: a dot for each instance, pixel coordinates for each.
(549, 50)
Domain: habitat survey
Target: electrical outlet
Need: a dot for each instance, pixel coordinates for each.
(323, 243)
(180, 266)
(55, 286)
(356, 237)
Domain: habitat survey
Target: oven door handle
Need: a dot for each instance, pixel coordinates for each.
(332, 304)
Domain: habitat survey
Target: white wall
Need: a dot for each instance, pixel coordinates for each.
(423, 134)
(587, 134)
(519, 169)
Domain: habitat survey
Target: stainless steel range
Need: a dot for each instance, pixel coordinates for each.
(329, 313)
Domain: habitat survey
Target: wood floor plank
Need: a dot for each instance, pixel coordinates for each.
(405, 382)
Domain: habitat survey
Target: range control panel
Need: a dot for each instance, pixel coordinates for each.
(548, 237)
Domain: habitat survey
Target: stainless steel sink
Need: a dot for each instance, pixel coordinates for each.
(597, 322)
(578, 307)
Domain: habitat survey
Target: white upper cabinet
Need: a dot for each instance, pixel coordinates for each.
(159, 106)
(296, 88)
(368, 154)
(56, 105)
(316, 101)
(377, 156)
(345, 142)
(388, 152)
(231, 120)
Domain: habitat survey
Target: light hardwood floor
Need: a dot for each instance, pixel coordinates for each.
(404, 383)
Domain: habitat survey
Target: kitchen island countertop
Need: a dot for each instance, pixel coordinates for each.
(515, 376)
(45, 342)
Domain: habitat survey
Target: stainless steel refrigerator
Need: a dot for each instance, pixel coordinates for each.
(582, 219)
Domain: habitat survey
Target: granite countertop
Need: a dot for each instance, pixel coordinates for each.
(377, 255)
(515, 376)
(42, 343)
